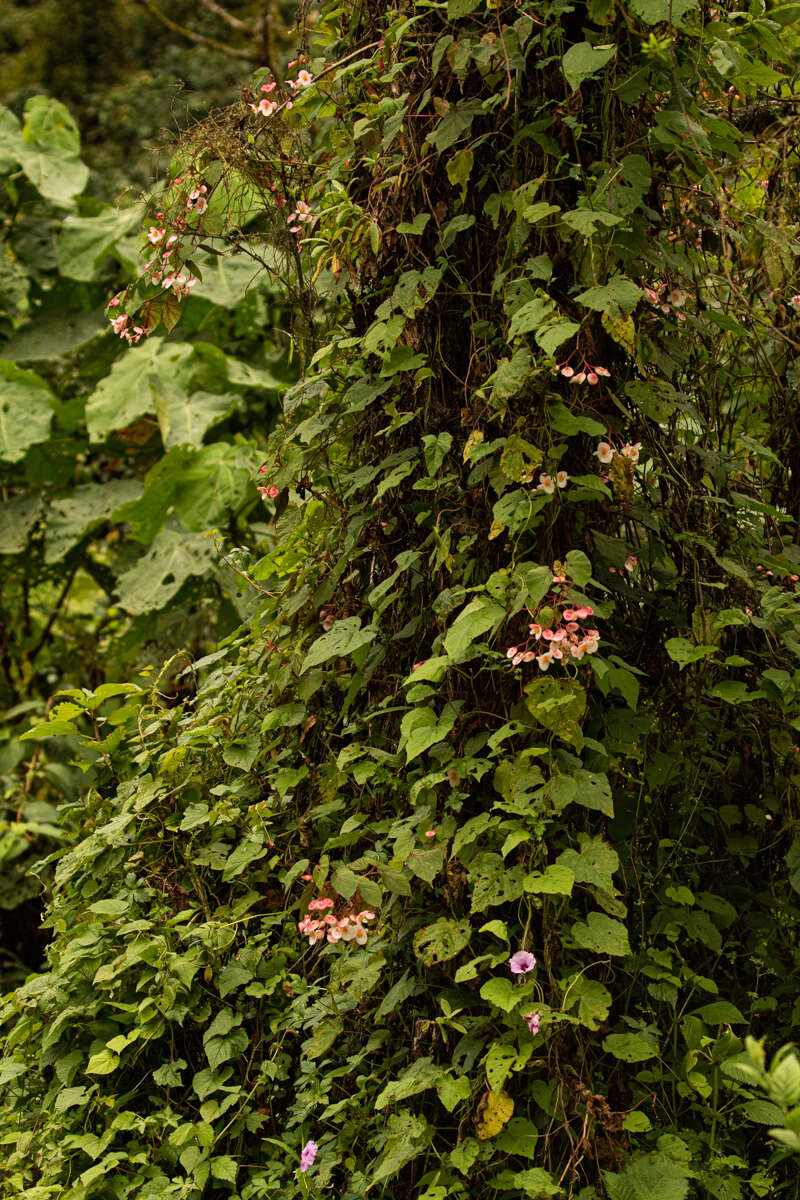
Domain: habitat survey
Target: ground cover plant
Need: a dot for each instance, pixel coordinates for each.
(467, 864)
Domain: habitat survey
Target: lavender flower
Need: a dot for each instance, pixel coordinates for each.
(521, 962)
(307, 1155)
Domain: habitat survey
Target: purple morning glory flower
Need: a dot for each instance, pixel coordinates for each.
(533, 1021)
(521, 962)
(307, 1155)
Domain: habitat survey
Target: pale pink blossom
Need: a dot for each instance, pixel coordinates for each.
(533, 1020)
(521, 963)
(561, 478)
(605, 452)
(546, 484)
(632, 451)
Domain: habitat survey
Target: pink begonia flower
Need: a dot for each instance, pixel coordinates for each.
(562, 478)
(308, 1155)
(118, 324)
(536, 630)
(558, 578)
(511, 652)
(604, 371)
(605, 452)
(592, 378)
(795, 302)
(430, 833)
(567, 372)
(580, 377)
(630, 563)
(303, 210)
(544, 660)
(546, 484)
(268, 87)
(304, 78)
(155, 235)
(632, 452)
(584, 612)
(114, 302)
(533, 1020)
(569, 614)
(521, 963)
(572, 626)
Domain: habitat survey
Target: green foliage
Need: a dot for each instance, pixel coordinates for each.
(114, 467)
(302, 904)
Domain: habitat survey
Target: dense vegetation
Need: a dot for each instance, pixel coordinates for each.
(453, 850)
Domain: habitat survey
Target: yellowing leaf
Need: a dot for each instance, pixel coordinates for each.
(494, 1111)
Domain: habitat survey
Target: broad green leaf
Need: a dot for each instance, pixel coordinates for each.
(480, 615)
(649, 1177)
(534, 1183)
(594, 1001)
(503, 994)
(601, 934)
(85, 242)
(630, 1047)
(520, 1136)
(52, 337)
(557, 880)
(423, 1074)
(593, 790)
(684, 652)
(49, 155)
(17, 518)
(224, 1167)
(323, 1037)
(346, 636)
(408, 1136)
(12, 144)
(498, 1064)
(594, 863)
(184, 417)
(72, 516)
(159, 574)
(420, 729)
(102, 1063)
(656, 12)
(126, 393)
(25, 411)
(442, 940)
(557, 704)
(618, 293)
(227, 279)
(583, 60)
(249, 850)
(451, 1090)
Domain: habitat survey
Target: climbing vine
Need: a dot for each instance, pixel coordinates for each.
(470, 866)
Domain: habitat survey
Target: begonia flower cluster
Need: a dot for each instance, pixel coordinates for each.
(562, 638)
(351, 927)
